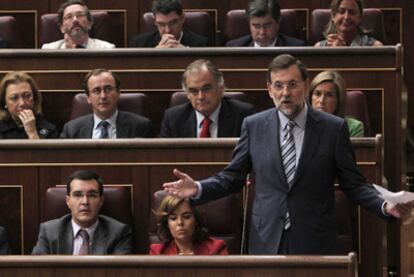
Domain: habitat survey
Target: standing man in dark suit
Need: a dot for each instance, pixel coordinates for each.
(264, 23)
(169, 19)
(103, 90)
(84, 231)
(295, 153)
(208, 113)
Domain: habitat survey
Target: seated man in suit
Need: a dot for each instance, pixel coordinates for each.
(84, 231)
(169, 19)
(4, 244)
(75, 22)
(264, 19)
(208, 114)
(103, 90)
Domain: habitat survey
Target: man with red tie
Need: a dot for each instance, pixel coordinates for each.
(208, 113)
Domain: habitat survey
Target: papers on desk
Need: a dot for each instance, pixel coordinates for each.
(395, 197)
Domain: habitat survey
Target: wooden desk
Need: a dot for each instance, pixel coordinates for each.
(197, 266)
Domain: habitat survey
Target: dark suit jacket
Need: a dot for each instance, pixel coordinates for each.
(282, 40)
(326, 154)
(152, 39)
(180, 121)
(110, 237)
(128, 125)
(4, 243)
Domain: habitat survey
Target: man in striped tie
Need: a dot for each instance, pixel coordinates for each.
(295, 153)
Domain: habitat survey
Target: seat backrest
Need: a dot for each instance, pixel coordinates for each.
(237, 24)
(223, 219)
(179, 97)
(102, 27)
(117, 203)
(9, 31)
(356, 107)
(198, 22)
(372, 20)
(130, 102)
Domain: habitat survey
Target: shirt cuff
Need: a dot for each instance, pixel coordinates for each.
(383, 209)
(199, 191)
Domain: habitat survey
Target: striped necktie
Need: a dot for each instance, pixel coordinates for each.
(288, 152)
(84, 249)
(103, 126)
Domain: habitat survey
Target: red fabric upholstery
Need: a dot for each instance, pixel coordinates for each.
(372, 20)
(237, 24)
(10, 32)
(356, 107)
(102, 27)
(180, 97)
(223, 219)
(117, 203)
(198, 22)
(130, 102)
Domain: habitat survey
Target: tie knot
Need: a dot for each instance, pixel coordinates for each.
(84, 234)
(206, 122)
(103, 124)
(80, 46)
(290, 125)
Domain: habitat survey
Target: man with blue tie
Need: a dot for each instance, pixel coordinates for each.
(295, 154)
(102, 88)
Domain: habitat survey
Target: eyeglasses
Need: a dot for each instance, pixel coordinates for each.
(290, 86)
(90, 194)
(78, 15)
(170, 24)
(205, 89)
(26, 96)
(98, 90)
(265, 26)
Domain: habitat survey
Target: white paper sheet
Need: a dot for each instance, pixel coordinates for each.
(395, 197)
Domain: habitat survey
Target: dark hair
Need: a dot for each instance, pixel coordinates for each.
(340, 89)
(331, 28)
(17, 77)
(197, 66)
(168, 205)
(167, 6)
(261, 8)
(84, 175)
(96, 72)
(68, 3)
(284, 61)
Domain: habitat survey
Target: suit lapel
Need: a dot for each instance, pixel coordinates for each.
(189, 126)
(225, 121)
(310, 142)
(274, 146)
(99, 241)
(66, 240)
(122, 126)
(86, 129)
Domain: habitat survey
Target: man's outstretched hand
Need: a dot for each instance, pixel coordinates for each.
(184, 187)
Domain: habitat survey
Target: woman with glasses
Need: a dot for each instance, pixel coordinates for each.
(181, 231)
(21, 109)
(327, 93)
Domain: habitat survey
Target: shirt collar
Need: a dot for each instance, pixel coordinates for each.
(111, 120)
(213, 117)
(91, 229)
(300, 119)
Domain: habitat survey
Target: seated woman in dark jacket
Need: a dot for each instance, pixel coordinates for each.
(21, 109)
(181, 231)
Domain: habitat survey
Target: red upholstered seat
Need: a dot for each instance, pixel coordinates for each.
(102, 27)
(10, 32)
(356, 107)
(372, 20)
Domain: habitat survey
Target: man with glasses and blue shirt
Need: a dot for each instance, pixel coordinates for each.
(169, 19)
(75, 22)
(84, 231)
(264, 23)
(208, 113)
(295, 154)
(102, 88)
